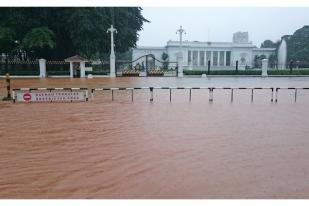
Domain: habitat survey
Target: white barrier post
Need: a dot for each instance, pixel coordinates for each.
(180, 64)
(112, 55)
(71, 70)
(42, 64)
(264, 67)
(82, 70)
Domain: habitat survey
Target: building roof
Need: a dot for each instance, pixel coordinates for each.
(264, 49)
(76, 58)
(149, 47)
(209, 44)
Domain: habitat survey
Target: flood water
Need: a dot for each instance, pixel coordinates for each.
(161, 149)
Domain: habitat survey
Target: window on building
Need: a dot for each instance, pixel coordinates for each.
(202, 58)
(194, 58)
(189, 57)
(215, 58)
(221, 60)
(208, 56)
(228, 58)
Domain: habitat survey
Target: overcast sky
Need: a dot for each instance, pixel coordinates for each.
(219, 24)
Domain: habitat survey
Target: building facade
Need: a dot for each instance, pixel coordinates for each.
(220, 55)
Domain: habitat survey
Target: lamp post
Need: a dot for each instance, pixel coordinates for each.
(180, 31)
(112, 55)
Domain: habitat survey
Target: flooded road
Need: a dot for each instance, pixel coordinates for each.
(178, 149)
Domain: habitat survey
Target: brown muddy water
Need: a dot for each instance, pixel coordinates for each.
(178, 149)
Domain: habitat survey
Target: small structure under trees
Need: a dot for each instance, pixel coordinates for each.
(77, 66)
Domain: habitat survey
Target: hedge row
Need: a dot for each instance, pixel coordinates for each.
(248, 72)
(223, 72)
(18, 72)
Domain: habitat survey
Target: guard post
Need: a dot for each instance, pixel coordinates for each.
(151, 94)
(8, 87)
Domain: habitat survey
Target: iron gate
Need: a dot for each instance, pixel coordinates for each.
(146, 65)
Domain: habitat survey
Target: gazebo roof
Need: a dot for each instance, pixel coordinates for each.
(76, 58)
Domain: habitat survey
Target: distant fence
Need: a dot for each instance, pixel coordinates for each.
(98, 68)
(23, 68)
(57, 68)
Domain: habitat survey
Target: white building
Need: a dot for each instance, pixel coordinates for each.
(222, 55)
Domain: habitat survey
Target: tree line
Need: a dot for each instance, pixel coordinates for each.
(55, 33)
(297, 45)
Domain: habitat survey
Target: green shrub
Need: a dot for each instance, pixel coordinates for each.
(223, 72)
(248, 72)
(287, 72)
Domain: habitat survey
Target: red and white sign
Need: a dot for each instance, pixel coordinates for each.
(27, 96)
(51, 96)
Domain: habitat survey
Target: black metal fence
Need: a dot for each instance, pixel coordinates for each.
(24, 68)
(57, 68)
(98, 68)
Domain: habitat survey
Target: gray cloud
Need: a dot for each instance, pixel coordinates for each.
(219, 23)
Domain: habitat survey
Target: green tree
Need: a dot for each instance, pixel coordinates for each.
(77, 30)
(165, 60)
(272, 60)
(298, 45)
(7, 40)
(268, 44)
(7, 43)
(39, 40)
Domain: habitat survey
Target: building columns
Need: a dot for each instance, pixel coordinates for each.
(71, 69)
(42, 64)
(180, 64)
(82, 69)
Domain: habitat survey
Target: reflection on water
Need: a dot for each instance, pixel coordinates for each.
(178, 149)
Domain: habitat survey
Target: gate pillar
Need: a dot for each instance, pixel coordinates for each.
(180, 64)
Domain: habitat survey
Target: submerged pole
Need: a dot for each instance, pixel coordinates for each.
(151, 94)
(132, 94)
(190, 95)
(232, 95)
(211, 94)
(170, 95)
(8, 86)
(251, 95)
(295, 94)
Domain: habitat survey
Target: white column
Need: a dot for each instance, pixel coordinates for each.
(205, 60)
(224, 59)
(42, 63)
(264, 67)
(82, 69)
(180, 31)
(180, 64)
(112, 61)
(198, 58)
(71, 69)
(112, 56)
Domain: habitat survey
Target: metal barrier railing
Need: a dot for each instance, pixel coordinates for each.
(151, 90)
(288, 88)
(210, 89)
